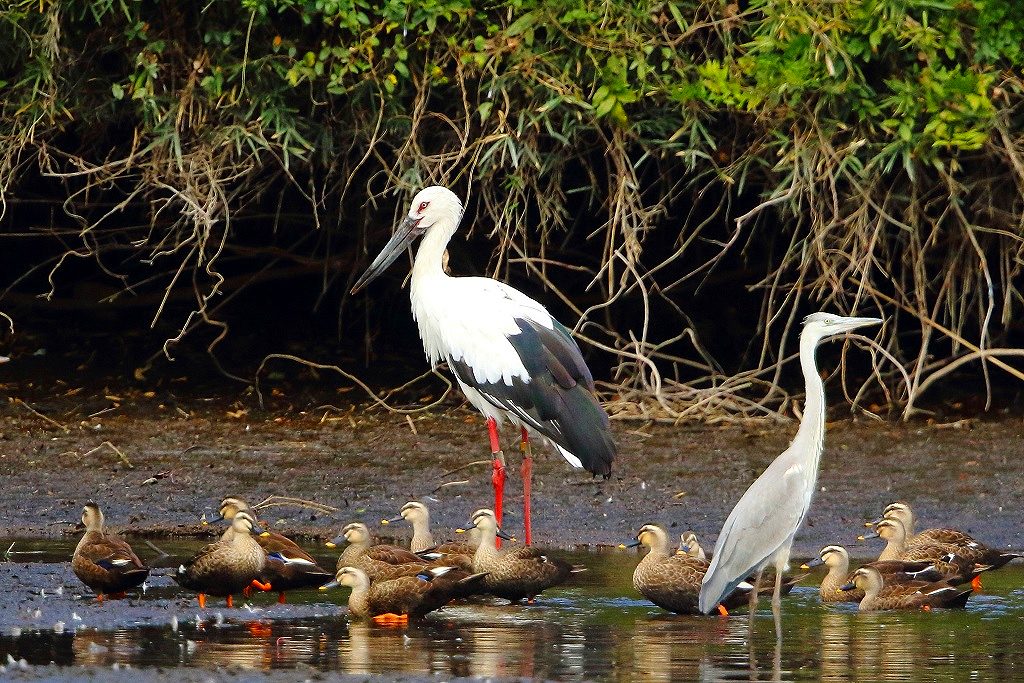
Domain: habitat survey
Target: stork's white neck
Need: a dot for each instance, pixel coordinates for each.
(429, 261)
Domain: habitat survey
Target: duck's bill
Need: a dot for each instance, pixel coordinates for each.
(847, 587)
(812, 563)
(335, 542)
(211, 518)
(329, 586)
(258, 530)
(392, 520)
(632, 544)
(502, 534)
(870, 534)
(408, 230)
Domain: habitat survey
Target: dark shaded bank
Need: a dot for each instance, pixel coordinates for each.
(56, 674)
(369, 464)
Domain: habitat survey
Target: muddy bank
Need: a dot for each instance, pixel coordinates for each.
(368, 463)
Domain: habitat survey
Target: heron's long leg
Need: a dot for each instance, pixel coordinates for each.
(777, 604)
(753, 603)
(498, 470)
(527, 471)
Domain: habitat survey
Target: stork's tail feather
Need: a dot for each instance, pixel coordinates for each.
(587, 439)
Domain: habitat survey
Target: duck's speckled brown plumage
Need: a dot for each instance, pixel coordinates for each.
(227, 566)
(672, 581)
(963, 561)
(414, 595)
(879, 595)
(376, 561)
(297, 568)
(837, 559)
(104, 561)
(422, 544)
(517, 574)
(904, 513)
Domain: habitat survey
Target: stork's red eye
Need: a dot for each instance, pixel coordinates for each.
(423, 206)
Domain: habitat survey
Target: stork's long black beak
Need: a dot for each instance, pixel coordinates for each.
(407, 231)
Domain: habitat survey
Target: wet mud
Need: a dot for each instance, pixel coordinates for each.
(367, 464)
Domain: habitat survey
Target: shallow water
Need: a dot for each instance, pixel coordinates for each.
(595, 629)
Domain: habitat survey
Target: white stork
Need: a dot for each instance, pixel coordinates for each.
(509, 356)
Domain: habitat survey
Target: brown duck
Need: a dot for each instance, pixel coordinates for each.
(741, 595)
(397, 599)
(672, 581)
(227, 566)
(103, 561)
(377, 561)
(514, 574)
(417, 514)
(690, 546)
(964, 545)
(837, 559)
(288, 567)
(904, 513)
(454, 553)
(964, 561)
(878, 595)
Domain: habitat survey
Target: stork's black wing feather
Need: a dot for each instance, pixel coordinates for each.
(558, 401)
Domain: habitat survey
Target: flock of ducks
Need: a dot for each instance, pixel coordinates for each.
(388, 583)
(922, 570)
(933, 568)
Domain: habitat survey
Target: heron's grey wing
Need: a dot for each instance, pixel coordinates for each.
(765, 517)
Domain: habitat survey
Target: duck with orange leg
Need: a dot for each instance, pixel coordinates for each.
(104, 561)
(289, 567)
(672, 580)
(882, 595)
(394, 601)
(227, 566)
(377, 561)
(963, 545)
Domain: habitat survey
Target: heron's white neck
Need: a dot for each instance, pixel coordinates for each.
(811, 434)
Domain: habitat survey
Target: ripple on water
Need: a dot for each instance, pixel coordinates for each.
(595, 629)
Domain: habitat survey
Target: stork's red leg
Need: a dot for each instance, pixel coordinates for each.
(527, 471)
(498, 470)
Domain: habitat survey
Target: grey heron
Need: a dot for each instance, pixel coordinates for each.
(510, 357)
(759, 531)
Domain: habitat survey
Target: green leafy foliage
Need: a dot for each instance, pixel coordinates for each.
(819, 108)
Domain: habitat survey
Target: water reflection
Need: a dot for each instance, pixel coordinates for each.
(594, 631)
